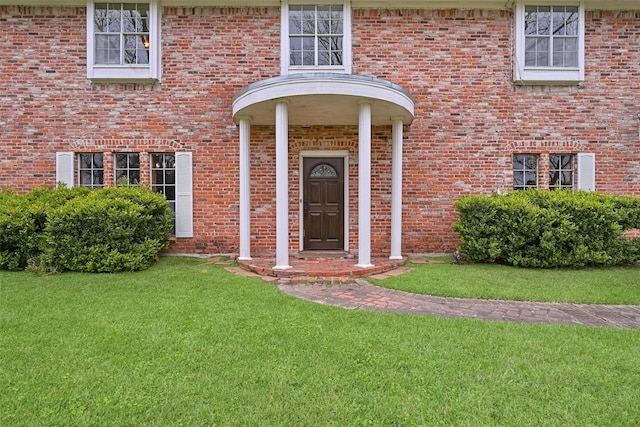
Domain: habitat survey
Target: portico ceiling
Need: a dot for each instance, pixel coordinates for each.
(323, 99)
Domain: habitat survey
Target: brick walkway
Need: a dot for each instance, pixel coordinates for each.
(365, 296)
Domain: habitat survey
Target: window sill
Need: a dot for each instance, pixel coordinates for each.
(337, 70)
(125, 74)
(549, 76)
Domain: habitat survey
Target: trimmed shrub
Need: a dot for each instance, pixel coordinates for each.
(79, 229)
(110, 230)
(549, 228)
(22, 222)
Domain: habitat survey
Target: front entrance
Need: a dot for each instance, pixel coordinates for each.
(323, 203)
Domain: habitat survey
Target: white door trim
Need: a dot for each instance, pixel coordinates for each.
(332, 154)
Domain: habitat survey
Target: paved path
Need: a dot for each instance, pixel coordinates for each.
(363, 295)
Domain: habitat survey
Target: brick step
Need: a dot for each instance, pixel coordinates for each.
(324, 270)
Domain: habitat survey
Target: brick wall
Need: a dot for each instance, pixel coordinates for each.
(469, 118)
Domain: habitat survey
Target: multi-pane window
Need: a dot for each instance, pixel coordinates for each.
(91, 170)
(551, 36)
(316, 35)
(127, 168)
(121, 32)
(525, 171)
(163, 177)
(560, 171)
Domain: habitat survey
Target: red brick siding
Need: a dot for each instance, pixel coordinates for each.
(469, 118)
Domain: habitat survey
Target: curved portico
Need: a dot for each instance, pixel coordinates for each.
(322, 99)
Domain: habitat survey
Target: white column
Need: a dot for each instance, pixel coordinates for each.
(245, 189)
(396, 189)
(364, 185)
(282, 185)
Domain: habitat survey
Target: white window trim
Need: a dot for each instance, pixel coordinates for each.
(125, 73)
(546, 75)
(285, 68)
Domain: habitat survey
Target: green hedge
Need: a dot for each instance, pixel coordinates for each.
(78, 229)
(549, 228)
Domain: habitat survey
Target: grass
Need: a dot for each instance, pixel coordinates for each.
(615, 285)
(186, 343)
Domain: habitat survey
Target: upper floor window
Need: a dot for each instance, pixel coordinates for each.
(121, 33)
(123, 40)
(316, 37)
(549, 42)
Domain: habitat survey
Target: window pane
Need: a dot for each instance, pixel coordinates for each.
(336, 20)
(559, 23)
(97, 178)
(156, 161)
(308, 58)
(295, 43)
(170, 192)
(324, 58)
(308, 43)
(295, 58)
(100, 17)
(530, 20)
(85, 178)
(121, 161)
(113, 20)
(295, 23)
(544, 20)
(121, 177)
(134, 177)
(170, 177)
(571, 18)
(134, 160)
(157, 177)
(170, 161)
(97, 161)
(85, 161)
(531, 179)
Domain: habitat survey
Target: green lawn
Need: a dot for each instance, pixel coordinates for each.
(615, 285)
(186, 343)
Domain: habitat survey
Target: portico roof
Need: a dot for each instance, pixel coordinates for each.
(323, 99)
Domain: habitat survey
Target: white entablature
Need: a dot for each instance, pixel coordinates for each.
(356, 4)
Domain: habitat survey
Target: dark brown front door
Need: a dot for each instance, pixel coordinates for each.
(323, 203)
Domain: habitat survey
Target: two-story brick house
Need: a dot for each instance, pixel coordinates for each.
(278, 126)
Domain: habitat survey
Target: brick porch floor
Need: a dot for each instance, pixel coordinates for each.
(320, 269)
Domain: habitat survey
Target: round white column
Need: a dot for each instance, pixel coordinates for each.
(364, 185)
(282, 185)
(396, 189)
(245, 189)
